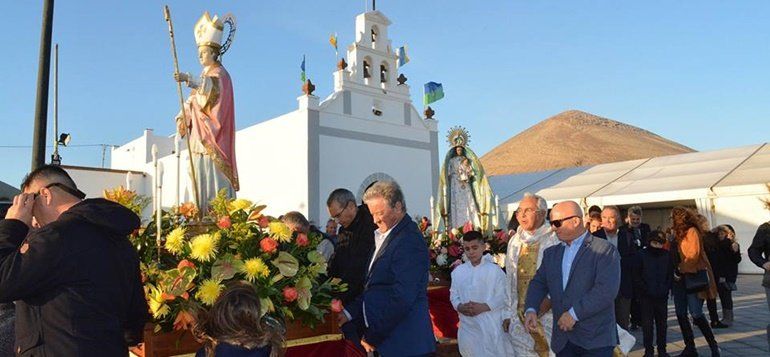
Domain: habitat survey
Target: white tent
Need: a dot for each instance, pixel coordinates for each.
(727, 186)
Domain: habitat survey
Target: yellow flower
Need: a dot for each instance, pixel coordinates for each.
(254, 268)
(239, 204)
(157, 306)
(175, 240)
(280, 231)
(203, 247)
(208, 292)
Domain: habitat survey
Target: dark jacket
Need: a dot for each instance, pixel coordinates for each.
(644, 233)
(228, 350)
(654, 272)
(628, 248)
(76, 282)
(759, 251)
(723, 259)
(395, 297)
(355, 245)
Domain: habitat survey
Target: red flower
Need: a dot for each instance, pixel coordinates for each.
(264, 222)
(185, 295)
(455, 251)
(336, 305)
(224, 222)
(185, 264)
(451, 236)
(268, 245)
(167, 296)
(290, 294)
(467, 227)
(302, 240)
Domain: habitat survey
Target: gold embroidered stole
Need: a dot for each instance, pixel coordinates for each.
(526, 269)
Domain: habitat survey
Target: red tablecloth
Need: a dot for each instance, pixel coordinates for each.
(442, 314)
(341, 348)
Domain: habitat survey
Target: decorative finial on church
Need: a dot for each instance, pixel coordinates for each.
(401, 79)
(308, 87)
(429, 113)
(341, 65)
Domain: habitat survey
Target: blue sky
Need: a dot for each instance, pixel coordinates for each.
(695, 72)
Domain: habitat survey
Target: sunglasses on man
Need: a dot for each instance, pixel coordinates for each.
(557, 222)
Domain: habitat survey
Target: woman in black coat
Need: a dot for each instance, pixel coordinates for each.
(724, 256)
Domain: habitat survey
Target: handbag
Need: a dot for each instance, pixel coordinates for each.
(695, 282)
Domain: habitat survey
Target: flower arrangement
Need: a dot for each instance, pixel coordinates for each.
(190, 266)
(446, 249)
(127, 198)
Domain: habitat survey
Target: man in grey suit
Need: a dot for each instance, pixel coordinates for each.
(582, 278)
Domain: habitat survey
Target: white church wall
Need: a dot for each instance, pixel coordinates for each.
(272, 158)
(347, 163)
(136, 153)
(93, 181)
(373, 126)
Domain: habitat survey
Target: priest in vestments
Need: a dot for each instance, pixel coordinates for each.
(523, 258)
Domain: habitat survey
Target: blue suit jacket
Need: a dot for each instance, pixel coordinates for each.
(591, 290)
(395, 295)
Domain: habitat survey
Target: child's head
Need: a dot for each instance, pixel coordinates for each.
(473, 245)
(657, 239)
(235, 319)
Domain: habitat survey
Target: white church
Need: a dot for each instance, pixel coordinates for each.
(366, 130)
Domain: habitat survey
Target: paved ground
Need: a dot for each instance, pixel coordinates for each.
(747, 337)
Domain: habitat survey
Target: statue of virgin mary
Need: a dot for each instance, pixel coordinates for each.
(464, 192)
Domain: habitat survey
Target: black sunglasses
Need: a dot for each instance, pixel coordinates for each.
(72, 191)
(557, 222)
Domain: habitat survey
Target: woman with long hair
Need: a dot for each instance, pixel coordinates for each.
(690, 259)
(233, 326)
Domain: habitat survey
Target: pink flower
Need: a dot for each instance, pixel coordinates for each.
(467, 227)
(455, 251)
(502, 236)
(268, 245)
(336, 305)
(290, 294)
(224, 222)
(302, 240)
(264, 222)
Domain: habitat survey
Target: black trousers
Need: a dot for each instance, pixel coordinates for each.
(725, 297)
(654, 311)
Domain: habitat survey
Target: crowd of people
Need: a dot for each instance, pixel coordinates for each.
(573, 284)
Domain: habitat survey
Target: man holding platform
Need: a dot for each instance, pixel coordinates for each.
(209, 114)
(393, 308)
(75, 279)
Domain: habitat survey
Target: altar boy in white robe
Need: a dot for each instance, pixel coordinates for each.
(478, 295)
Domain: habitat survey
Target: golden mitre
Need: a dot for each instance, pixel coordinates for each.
(208, 31)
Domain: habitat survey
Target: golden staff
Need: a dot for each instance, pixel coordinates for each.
(167, 15)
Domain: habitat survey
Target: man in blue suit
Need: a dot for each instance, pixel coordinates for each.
(582, 277)
(393, 308)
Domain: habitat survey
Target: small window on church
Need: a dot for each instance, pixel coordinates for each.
(367, 69)
(374, 35)
(383, 73)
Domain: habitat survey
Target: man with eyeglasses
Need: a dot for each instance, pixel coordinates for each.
(75, 279)
(355, 244)
(581, 275)
(523, 258)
